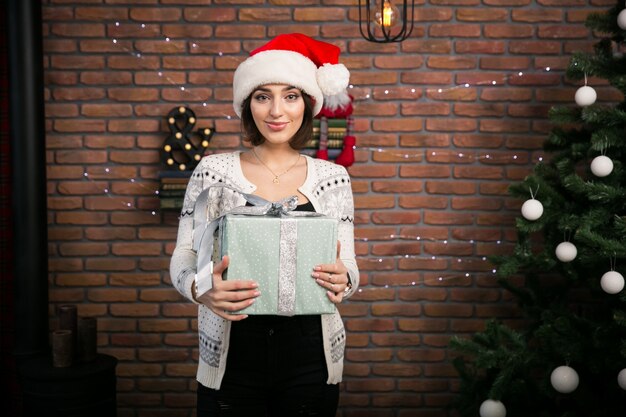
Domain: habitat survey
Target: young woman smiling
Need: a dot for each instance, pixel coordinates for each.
(267, 365)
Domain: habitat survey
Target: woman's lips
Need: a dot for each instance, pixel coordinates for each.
(276, 127)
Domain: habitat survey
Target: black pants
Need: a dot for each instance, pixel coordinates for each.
(275, 368)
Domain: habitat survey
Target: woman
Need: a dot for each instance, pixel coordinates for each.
(272, 365)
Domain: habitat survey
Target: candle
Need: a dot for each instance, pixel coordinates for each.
(87, 338)
(67, 320)
(62, 348)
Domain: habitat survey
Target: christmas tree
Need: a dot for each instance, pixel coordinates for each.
(568, 356)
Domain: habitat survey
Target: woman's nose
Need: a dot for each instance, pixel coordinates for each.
(277, 108)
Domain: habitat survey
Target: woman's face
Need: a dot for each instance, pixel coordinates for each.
(277, 110)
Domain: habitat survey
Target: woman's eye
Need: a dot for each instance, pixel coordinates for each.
(293, 96)
(261, 97)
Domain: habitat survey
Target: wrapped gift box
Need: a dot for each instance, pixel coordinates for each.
(279, 253)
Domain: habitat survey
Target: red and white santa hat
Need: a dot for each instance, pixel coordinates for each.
(296, 60)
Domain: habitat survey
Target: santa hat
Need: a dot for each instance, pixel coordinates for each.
(299, 61)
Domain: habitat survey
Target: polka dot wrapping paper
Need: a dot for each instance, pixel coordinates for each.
(279, 253)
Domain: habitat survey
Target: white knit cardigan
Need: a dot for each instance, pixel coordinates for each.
(328, 188)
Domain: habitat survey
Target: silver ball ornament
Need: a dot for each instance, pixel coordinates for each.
(585, 96)
(492, 408)
(621, 379)
(601, 166)
(566, 252)
(532, 209)
(612, 282)
(564, 379)
(621, 19)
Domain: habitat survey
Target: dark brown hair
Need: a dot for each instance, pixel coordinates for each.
(298, 141)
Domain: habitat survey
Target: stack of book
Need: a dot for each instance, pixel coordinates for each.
(172, 189)
(337, 130)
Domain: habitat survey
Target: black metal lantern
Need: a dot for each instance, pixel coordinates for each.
(382, 21)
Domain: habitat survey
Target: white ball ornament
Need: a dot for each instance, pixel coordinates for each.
(566, 252)
(601, 166)
(621, 19)
(621, 379)
(532, 209)
(492, 408)
(564, 379)
(585, 96)
(612, 282)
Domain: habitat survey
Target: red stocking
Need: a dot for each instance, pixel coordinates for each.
(346, 157)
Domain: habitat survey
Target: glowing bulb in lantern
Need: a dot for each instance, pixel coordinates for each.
(387, 15)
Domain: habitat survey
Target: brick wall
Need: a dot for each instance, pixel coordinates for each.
(434, 160)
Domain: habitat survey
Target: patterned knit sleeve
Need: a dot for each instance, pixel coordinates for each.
(346, 235)
(183, 262)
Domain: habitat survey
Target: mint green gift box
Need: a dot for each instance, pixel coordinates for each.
(279, 253)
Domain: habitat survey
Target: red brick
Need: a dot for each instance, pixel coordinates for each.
(88, 30)
(80, 280)
(537, 15)
(71, 94)
(479, 110)
(396, 339)
(134, 310)
(475, 204)
(396, 186)
(534, 47)
(212, 14)
(481, 14)
(396, 309)
(323, 14)
(395, 217)
(447, 187)
(370, 325)
(399, 62)
(133, 62)
(432, 14)
(430, 46)
(369, 355)
(425, 109)
(451, 62)
(423, 385)
(454, 30)
(480, 47)
(423, 325)
(508, 31)
(370, 385)
(456, 125)
(423, 202)
(562, 32)
(421, 355)
(99, 14)
(458, 93)
(504, 63)
(265, 14)
(439, 218)
(395, 249)
(425, 140)
(97, 78)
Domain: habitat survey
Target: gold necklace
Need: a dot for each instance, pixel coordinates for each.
(276, 176)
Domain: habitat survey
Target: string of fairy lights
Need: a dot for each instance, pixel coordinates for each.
(465, 157)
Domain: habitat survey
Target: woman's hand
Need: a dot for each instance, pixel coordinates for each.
(333, 277)
(229, 296)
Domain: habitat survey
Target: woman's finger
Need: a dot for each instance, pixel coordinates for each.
(227, 316)
(335, 297)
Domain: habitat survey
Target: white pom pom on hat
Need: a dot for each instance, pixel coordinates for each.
(296, 60)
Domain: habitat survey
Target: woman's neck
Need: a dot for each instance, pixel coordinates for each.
(277, 154)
